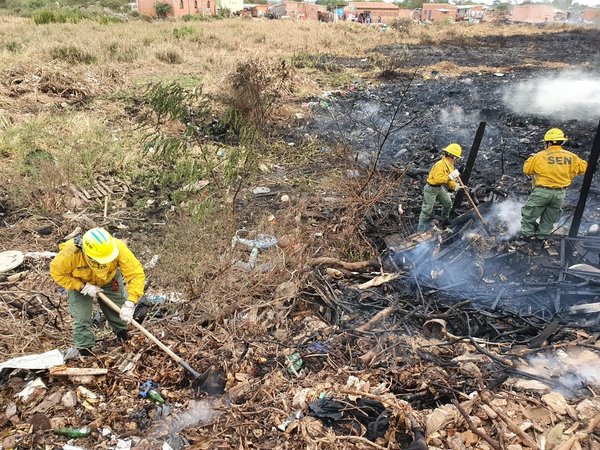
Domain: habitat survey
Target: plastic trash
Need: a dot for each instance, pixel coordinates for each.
(261, 190)
(262, 241)
(10, 259)
(34, 390)
(148, 390)
(152, 263)
(35, 362)
(295, 363)
(319, 347)
(73, 432)
(296, 415)
(123, 444)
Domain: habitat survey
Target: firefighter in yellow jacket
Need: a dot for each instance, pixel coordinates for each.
(94, 263)
(553, 170)
(442, 176)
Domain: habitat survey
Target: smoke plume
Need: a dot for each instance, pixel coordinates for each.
(568, 96)
(571, 369)
(506, 216)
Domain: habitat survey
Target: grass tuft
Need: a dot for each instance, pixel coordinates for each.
(169, 56)
(72, 54)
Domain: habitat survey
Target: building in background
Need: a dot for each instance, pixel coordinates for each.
(376, 12)
(535, 13)
(438, 12)
(470, 13)
(296, 10)
(179, 7)
(232, 6)
(591, 15)
(256, 10)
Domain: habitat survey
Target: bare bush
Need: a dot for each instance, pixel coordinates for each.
(256, 87)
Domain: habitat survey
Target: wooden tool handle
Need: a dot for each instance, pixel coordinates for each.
(146, 333)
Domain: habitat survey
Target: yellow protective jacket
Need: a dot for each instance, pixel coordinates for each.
(438, 175)
(554, 167)
(71, 269)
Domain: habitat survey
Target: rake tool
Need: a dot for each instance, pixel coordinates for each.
(466, 191)
(199, 378)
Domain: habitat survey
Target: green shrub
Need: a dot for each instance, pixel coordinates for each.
(46, 16)
(72, 54)
(195, 17)
(182, 32)
(162, 9)
(169, 56)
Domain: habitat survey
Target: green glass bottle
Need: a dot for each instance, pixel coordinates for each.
(74, 432)
(155, 397)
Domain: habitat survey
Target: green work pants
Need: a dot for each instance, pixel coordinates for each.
(431, 196)
(543, 204)
(80, 308)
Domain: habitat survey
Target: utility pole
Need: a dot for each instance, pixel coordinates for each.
(470, 163)
(585, 187)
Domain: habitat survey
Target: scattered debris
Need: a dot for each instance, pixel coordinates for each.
(40, 361)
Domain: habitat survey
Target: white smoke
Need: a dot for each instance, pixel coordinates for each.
(571, 369)
(568, 96)
(506, 216)
(455, 115)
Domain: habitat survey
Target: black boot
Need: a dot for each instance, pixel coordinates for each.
(85, 352)
(122, 336)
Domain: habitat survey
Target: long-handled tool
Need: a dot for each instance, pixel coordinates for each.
(198, 377)
(462, 185)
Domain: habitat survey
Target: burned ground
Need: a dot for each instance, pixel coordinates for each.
(569, 47)
(341, 337)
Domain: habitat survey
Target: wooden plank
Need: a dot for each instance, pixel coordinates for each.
(62, 371)
(87, 194)
(78, 194)
(105, 187)
(100, 189)
(397, 243)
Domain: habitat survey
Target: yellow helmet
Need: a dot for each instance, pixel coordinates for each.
(454, 150)
(554, 134)
(100, 246)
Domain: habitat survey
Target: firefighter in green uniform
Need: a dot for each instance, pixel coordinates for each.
(553, 170)
(441, 177)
